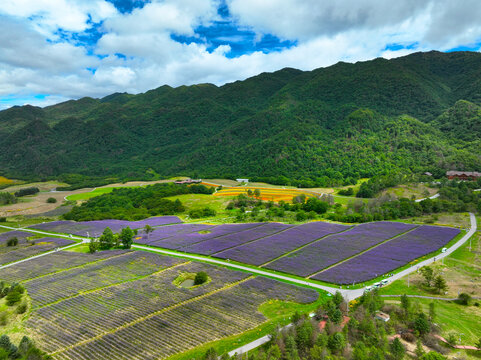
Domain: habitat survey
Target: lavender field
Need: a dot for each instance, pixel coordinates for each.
(389, 256)
(95, 228)
(334, 248)
(25, 248)
(126, 301)
(271, 247)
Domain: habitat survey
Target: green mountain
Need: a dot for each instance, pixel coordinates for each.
(331, 125)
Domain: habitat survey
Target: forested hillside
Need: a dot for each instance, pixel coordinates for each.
(328, 126)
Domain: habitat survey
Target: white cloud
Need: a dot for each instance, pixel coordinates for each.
(34, 60)
(49, 15)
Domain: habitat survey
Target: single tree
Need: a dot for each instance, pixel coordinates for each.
(210, 354)
(421, 324)
(337, 299)
(107, 239)
(93, 245)
(127, 236)
(419, 349)
(336, 342)
(257, 193)
(148, 229)
(440, 284)
(428, 274)
(463, 299)
(397, 349)
(335, 316)
(405, 304)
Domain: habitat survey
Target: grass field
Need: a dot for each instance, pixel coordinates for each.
(90, 194)
(459, 220)
(464, 321)
(417, 190)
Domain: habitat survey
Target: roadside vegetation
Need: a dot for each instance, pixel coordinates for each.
(356, 331)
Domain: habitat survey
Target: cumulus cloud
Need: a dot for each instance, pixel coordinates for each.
(139, 50)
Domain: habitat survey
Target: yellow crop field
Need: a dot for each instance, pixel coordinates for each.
(266, 194)
(5, 181)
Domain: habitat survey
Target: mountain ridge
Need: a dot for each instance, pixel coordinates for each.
(327, 126)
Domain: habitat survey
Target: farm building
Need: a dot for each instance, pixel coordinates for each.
(242, 180)
(188, 181)
(382, 316)
(463, 175)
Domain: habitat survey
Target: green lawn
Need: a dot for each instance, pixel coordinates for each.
(90, 194)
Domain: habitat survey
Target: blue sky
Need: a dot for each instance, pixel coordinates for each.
(55, 50)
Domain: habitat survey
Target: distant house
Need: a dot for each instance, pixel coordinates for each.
(242, 180)
(463, 175)
(188, 181)
(427, 173)
(382, 316)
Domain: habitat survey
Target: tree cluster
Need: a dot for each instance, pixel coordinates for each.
(26, 350)
(108, 240)
(135, 203)
(7, 198)
(27, 191)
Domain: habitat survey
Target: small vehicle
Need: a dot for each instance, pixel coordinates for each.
(384, 282)
(376, 285)
(444, 250)
(367, 289)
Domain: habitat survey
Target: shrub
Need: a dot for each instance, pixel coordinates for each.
(201, 213)
(463, 299)
(409, 337)
(51, 200)
(200, 278)
(13, 297)
(7, 198)
(22, 308)
(3, 219)
(346, 192)
(3, 318)
(12, 241)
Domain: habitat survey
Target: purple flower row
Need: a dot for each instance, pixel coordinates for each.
(261, 251)
(334, 248)
(164, 232)
(176, 242)
(389, 256)
(228, 241)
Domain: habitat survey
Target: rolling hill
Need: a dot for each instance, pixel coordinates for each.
(327, 126)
